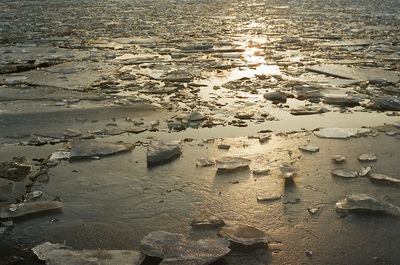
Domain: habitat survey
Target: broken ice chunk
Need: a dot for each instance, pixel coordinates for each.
(15, 80)
(267, 198)
(338, 158)
(180, 76)
(386, 103)
(136, 129)
(196, 116)
(355, 73)
(90, 148)
(276, 97)
(367, 157)
(307, 110)
(224, 146)
(244, 235)
(287, 171)
(262, 138)
(15, 170)
(244, 115)
(313, 210)
(344, 173)
(347, 101)
(176, 249)
(364, 171)
(383, 178)
(58, 155)
(211, 221)
(204, 162)
(57, 254)
(261, 171)
(366, 203)
(341, 133)
(309, 148)
(69, 133)
(24, 208)
(198, 46)
(160, 152)
(232, 163)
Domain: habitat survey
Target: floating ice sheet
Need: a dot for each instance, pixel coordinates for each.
(90, 148)
(232, 163)
(341, 133)
(245, 235)
(356, 73)
(383, 178)
(57, 254)
(160, 152)
(344, 173)
(366, 203)
(24, 208)
(69, 75)
(176, 249)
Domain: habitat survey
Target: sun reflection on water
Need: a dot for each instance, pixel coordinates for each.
(253, 55)
(250, 64)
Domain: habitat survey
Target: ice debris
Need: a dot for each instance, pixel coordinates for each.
(341, 133)
(204, 162)
(344, 173)
(366, 203)
(386, 103)
(160, 152)
(90, 148)
(307, 110)
(269, 197)
(381, 178)
(57, 156)
(24, 208)
(176, 249)
(261, 171)
(224, 146)
(232, 163)
(364, 171)
(309, 148)
(244, 235)
(212, 221)
(338, 158)
(15, 170)
(367, 157)
(58, 254)
(196, 116)
(356, 73)
(276, 97)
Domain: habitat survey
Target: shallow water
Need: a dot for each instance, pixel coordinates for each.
(113, 202)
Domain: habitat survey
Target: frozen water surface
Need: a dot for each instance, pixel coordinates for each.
(262, 77)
